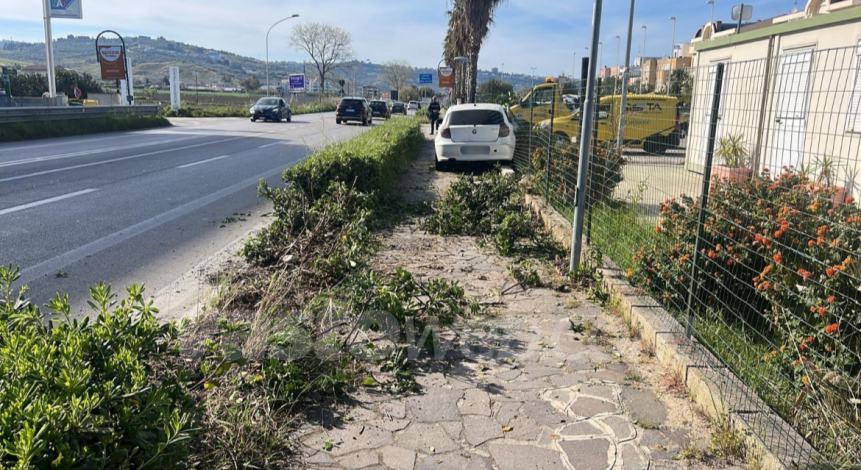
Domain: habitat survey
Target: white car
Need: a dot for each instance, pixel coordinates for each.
(474, 133)
(413, 106)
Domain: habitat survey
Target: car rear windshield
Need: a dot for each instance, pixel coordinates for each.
(476, 117)
(352, 103)
(378, 104)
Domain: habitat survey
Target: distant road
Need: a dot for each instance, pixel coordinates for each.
(143, 206)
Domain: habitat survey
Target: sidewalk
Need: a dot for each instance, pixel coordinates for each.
(542, 380)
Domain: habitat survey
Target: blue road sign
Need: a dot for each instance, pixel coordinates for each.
(425, 78)
(296, 82)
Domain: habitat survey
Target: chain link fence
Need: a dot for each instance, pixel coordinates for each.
(731, 200)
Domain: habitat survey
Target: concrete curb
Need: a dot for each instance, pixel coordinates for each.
(705, 377)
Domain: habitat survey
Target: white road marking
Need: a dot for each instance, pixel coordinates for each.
(112, 160)
(269, 145)
(203, 161)
(30, 205)
(53, 264)
(82, 153)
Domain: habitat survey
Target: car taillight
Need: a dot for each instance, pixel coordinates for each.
(504, 130)
(445, 133)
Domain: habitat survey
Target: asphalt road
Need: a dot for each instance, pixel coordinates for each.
(146, 206)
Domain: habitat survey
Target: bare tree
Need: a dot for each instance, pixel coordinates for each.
(397, 74)
(327, 46)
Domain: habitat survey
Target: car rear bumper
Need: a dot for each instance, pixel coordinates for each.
(473, 152)
(350, 117)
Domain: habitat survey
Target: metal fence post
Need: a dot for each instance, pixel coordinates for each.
(549, 149)
(531, 125)
(585, 143)
(704, 197)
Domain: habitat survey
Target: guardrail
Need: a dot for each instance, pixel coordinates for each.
(51, 113)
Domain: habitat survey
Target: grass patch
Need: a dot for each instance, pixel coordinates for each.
(619, 232)
(60, 128)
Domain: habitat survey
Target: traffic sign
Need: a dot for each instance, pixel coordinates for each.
(66, 9)
(425, 78)
(296, 82)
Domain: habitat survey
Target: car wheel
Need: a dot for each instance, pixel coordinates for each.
(289, 118)
(561, 138)
(440, 165)
(253, 119)
(337, 121)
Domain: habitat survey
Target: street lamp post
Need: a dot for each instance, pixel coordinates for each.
(295, 15)
(673, 45)
(642, 57)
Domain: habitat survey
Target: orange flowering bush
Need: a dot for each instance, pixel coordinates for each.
(777, 254)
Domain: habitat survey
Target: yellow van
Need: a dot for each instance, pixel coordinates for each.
(536, 106)
(652, 122)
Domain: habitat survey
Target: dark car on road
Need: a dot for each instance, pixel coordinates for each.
(380, 109)
(353, 108)
(399, 108)
(271, 108)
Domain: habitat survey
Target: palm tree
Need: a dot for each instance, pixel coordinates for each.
(468, 25)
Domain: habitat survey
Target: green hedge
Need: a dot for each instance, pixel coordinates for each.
(240, 111)
(88, 394)
(367, 165)
(59, 128)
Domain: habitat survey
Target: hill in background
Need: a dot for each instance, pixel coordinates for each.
(151, 58)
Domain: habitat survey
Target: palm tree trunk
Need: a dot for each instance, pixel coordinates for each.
(473, 75)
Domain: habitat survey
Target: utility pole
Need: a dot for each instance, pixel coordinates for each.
(623, 106)
(585, 142)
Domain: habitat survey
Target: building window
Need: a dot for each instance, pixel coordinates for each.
(853, 123)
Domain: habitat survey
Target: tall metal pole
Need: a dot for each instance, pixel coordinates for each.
(49, 51)
(623, 102)
(295, 15)
(585, 142)
(642, 58)
(673, 45)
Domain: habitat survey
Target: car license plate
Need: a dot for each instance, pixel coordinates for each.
(350, 110)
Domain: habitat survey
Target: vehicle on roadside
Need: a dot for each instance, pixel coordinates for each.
(399, 108)
(474, 132)
(353, 108)
(380, 109)
(413, 106)
(537, 105)
(652, 122)
(271, 108)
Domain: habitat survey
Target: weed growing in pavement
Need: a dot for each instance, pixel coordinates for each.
(525, 272)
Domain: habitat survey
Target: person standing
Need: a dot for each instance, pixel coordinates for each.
(433, 114)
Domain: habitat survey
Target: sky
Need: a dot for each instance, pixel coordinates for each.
(540, 37)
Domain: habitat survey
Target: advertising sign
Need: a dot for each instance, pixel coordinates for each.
(173, 79)
(112, 60)
(296, 82)
(446, 77)
(65, 9)
(425, 78)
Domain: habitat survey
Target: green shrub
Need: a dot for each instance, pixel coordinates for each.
(491, 205)
(42, 129)
(779, 257)
(86, 393)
